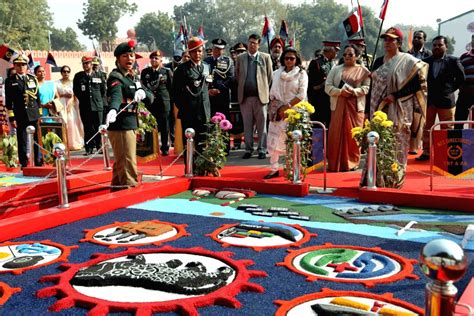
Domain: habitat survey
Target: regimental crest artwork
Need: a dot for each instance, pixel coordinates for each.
(329, 302)
(261, 235)
(126, 234)
(20, 256)
(163, 279)
(349, 264)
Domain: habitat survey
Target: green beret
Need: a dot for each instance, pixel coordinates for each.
(125, 47)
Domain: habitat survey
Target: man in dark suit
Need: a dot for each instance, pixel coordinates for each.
(90, 89)
(190, 92)
(158, 79)
(445, 76)
(22, 103)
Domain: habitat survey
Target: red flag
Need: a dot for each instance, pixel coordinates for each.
(6, 52)
(410, 38)
(200, 32)
(50, 60)
(383, 10)
(284, 30)
(352, 24)
(359, 12)
(267, 33)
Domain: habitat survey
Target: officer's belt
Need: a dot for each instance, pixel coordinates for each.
(130, 109)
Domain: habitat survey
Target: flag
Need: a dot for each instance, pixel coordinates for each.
(284, 30)
(292, 42)
(359, 13)
(179, 40)
(50, 60)
(410, 38)
(267, 33)
(352, 24)
(31, 61)
(6, 52)
(200, 32)
(190, 32)
(383, 10)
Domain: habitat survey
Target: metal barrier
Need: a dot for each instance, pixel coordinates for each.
(104, 137)
(324, 153)
(431, 143)
(296, 135)
(30, 130)
(189, 133)
(59, 151)
(373, 139)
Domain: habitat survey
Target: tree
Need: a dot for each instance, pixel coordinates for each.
(100, 18)
(155, 30)
(25, 23)
(65, 40)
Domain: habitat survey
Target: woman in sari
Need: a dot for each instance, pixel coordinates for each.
(47, 93)
(289, 86)
(75, 130)
(347, 85)
(399, 89)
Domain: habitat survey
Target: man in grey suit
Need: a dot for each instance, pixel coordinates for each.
(253, 72)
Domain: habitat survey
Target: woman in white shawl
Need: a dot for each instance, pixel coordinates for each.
(289, 86)
(75, 130)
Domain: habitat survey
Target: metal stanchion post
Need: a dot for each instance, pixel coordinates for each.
(104, 137)
(189, 133)
(59, 151)
(297, 135)
(373, 139)
(444, 262)
(30, 131)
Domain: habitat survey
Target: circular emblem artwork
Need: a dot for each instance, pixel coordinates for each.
(6, 292)
(329, 302)
(126, 234)
(455, 152)
(349, 264)
(160, 280)
(261, 235)
(20, 256)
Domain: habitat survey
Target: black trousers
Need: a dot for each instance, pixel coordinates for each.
(463, 104)
(22, 137)
(162, 118)
(199, 137)
(91, 121)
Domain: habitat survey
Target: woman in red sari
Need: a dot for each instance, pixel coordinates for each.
(347, 86)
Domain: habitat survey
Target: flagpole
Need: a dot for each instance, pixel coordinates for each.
(49, 40)
(366, 57)
(376, 45)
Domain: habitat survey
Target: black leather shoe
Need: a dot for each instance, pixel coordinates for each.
(272, 175)
(262, 156)
(164, 153)
(423, 157)
(247, 155)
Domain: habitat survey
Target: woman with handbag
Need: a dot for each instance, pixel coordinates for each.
(289, 85)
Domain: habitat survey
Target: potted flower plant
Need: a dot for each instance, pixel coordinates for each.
(9, 151)
(390, 173)
(297, 118)
(49, 140)
(214, 156)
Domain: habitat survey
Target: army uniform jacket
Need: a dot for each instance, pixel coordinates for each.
(22, 99)
(318, 71)
(159, 82)
(120, 92)
(90, 91)
(222, 70)
(190, 91)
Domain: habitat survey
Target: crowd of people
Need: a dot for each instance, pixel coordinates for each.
(412, 87)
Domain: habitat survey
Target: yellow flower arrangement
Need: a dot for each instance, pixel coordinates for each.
(389, 172)
(298, 119)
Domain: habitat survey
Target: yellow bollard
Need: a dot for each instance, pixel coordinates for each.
(178, 132)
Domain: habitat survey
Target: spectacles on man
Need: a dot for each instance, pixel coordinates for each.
(348, 55)
(290, 58)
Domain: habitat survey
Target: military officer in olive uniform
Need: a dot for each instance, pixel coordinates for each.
(22, 103)
(90, 89)
(318, 70)
(124, 91)
(190, 92)
(158, 80)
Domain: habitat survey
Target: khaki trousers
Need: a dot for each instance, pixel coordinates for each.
(443, 115)
(124, 145)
